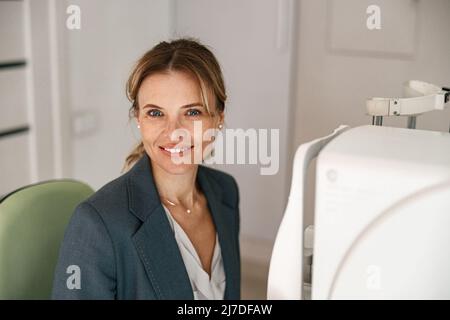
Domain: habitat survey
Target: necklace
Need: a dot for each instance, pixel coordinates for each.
(174, 205)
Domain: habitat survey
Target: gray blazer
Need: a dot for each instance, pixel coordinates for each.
(122, 246)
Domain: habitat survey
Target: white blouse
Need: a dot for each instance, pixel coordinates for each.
(203, 287)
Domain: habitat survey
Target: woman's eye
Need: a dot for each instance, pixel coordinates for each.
(193, 112)
(154, 113)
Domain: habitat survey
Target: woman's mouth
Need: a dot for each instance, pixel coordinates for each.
(175, 151)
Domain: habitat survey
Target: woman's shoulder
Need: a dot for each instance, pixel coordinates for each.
(110, 202)
(111, 194)
(107, 209)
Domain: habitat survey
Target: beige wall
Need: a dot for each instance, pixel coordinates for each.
(332, 85)
(97, 60)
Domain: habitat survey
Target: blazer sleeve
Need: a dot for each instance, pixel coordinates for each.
(238, 222)
(238, 215)
(86, 264)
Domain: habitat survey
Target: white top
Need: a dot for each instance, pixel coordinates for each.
(203, 287)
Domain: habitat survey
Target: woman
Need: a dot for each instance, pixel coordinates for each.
(168, 228)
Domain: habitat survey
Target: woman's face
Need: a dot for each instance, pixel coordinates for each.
(170, 107)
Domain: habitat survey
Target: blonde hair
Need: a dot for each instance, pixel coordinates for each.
(187, 55)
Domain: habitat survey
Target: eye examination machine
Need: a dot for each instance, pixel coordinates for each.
(382, 210)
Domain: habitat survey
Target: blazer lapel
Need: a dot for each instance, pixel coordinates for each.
(223, 217)
(156, 244)
(154, 241)
(163, 263)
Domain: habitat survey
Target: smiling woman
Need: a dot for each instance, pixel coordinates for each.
(165, 116)
(166, 229)
(182, 71)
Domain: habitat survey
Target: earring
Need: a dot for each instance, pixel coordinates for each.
(220, 126)
(139, 126)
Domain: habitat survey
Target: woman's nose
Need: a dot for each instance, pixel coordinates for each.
(172, 126)
(172, 123)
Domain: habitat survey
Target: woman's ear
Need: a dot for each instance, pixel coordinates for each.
(138, 124)
(221, 118)
(136, 117)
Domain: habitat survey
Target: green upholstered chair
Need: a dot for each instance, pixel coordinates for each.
(32, 224)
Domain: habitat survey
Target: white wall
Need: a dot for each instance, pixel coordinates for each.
(97, 60)
(332, 85)
(42, 43)
(16, 153)
(252, 40)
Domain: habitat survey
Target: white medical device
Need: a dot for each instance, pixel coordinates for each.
(420, 97)
(382, 215)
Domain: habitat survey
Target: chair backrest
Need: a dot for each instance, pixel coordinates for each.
(32, 224)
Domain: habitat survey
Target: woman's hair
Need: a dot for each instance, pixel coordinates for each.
(186, 55)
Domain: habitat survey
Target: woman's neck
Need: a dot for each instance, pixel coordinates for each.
(179, 188)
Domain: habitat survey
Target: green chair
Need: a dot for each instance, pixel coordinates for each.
(32, 224)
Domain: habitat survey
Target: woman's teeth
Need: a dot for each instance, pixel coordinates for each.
(177, 150)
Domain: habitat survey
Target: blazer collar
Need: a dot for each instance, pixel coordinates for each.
(155, 241)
